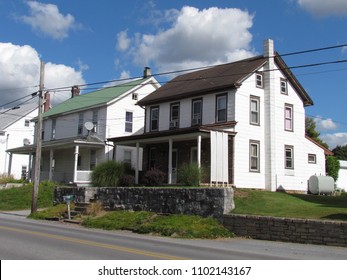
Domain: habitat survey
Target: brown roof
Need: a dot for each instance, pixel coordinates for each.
(217, 78)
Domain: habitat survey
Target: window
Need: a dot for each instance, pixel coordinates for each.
(174, 115)
(312, 158)
(221, 108)
(288, 117)
(54, 123)
(80, 124)
(196, 112)
(95, 121)
(135, 96)
(154, 118)
(151, 157)
(254, 156)
(259, 80)
(92, 159)
(254, 110)
(289, 157)
(194, 154)
(27, 123)
(127, 157)
(284, 89)
(129, 121)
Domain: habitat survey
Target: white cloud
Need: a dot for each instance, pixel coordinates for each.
(325, 124)
(335, 139)
(123, 41)
(46, 19)
(196, 38)
(20, 71)
(325, 7)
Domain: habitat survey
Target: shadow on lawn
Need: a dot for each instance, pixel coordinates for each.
(324, 200)
(340, 217)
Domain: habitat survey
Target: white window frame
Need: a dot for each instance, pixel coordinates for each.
(218, 109)
(289, 157)
(254, 146)
(288, 118)
(129, 122)
(256, 112)
(312, 158)
(54, 128)
(196, 116)
(80, 124)
(152, 119)
(259, 81)
(284, 86)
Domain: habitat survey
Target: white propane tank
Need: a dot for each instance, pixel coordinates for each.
(321, 184)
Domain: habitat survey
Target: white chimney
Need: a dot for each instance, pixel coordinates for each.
(269, 48)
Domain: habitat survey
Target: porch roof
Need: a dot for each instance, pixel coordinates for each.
(181, 134)
(88, 141)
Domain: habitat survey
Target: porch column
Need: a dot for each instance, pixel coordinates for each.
(75, 164)
(199, 151)
(51, 165)
(30, 167)
(9, 164)
(169, 179)
(137, 163)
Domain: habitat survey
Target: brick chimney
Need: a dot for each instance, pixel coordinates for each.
(75, 91)
(47, 102)
(147, 72)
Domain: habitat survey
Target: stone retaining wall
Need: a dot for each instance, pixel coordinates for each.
(289, 230)
(206, 202)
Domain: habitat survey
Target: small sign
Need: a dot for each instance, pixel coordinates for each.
(68, 198)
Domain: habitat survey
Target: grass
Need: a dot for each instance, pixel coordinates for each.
(21, 198)
(279, 204)
(179, 226)
(49, 213)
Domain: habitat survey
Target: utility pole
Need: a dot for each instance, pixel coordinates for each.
(38, 141)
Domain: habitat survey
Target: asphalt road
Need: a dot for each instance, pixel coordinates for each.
(25, 239)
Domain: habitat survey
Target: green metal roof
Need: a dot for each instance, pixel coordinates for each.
(92, 99)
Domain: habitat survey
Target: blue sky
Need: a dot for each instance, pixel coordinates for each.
(89, 41)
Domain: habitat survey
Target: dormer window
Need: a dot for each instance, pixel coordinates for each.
(135, 96)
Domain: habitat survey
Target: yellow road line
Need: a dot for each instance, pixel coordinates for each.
(94, 244)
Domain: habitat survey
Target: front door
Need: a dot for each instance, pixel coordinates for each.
(174, 167)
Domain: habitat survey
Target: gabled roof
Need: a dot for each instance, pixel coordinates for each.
(93, 99)
(218, 78)
(8, 117)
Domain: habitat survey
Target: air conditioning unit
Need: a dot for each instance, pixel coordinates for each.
(196, 121)
(174, 124)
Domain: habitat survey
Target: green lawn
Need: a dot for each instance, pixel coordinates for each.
(256, 202)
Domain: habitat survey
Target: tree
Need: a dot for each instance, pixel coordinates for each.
(332, 167)
(340, 152)
(310, 129)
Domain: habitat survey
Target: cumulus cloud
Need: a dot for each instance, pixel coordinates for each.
(325, 7)
(335, 139)
(325, 124)
(123, 41)
(20, 71)
(46, 19)
(195, 38)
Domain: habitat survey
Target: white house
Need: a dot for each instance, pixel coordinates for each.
(74, 132)
(16, 130)
(243, 121)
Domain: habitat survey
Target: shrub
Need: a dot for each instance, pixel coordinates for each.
(154, 177)
(107, 174)
(127, 181)
(332, 167)
(190, 174)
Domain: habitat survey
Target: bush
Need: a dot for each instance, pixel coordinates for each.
(127, 181)
(332, 167)
(107, 174)
(154, 177)
(190, 174)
